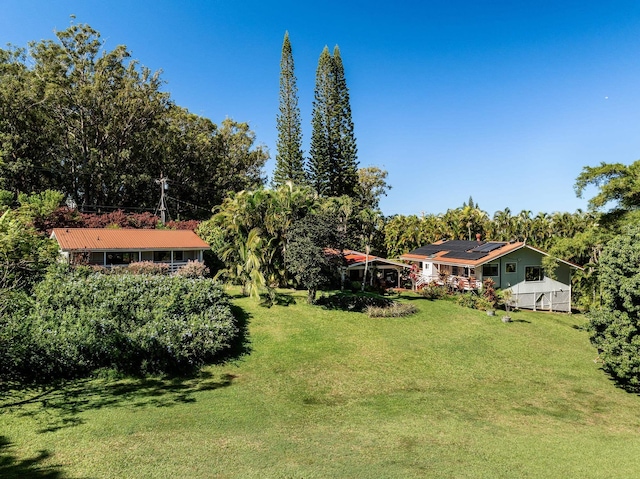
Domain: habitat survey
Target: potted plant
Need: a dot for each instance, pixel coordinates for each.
(490, 296)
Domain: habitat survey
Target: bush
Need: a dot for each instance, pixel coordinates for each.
(353, 302)
(468, 300)
(489, 293)
(134, 324)
(432, 291)
(395, 310)
(148, 267)
(193, 269)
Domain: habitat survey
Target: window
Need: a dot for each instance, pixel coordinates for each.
(489, 270)
(454, 270)
(161, 256)
(124, 257)
(510, 267)
(533, 273)
(177, 255)
(96, 258)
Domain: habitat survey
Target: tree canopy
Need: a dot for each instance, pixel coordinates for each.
(619, 185)
(97, 126)
(615, 328)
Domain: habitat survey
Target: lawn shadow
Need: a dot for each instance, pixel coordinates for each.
(241, 345)
(60, 406)
(12, 467)
(353, 302)
(275, 298)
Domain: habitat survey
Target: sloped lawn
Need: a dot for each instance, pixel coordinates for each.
(448, 392)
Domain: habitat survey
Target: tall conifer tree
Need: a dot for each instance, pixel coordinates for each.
(322, 149)
(347, 150)
(333, 164)
(289, 158)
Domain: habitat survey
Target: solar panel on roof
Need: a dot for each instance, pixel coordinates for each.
(471, 255)
(488, 247)
(427, 250)
(458, 245)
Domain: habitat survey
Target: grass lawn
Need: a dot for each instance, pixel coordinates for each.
(448, 392)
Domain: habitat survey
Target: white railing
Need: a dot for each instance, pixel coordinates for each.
(457, 282)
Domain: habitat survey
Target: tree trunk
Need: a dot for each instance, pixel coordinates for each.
(311, 295)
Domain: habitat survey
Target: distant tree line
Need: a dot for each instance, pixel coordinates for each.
(97, 126)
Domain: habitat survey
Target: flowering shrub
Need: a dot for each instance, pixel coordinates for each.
(148, 267)
(193, 269)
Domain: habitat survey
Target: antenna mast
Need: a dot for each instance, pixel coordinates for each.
(162, 205)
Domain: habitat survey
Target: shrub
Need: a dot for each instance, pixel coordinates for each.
(468, 300)
(353, 302)
(483, 304)
(395, 310)
(193, 269)
(134, 324)
(489, 292)
(432, 291)
(148, 267)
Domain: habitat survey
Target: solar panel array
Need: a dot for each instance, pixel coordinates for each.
(488, 247)
(471, 255)
(460, 249)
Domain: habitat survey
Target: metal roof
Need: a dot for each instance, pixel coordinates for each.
(107, 239)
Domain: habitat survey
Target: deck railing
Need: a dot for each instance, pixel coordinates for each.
(456, 282)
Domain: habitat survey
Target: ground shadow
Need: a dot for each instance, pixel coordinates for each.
(12, 467)
(60, 406)
(353, 302)
(241, 345)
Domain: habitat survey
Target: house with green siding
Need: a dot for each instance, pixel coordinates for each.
(514, 266)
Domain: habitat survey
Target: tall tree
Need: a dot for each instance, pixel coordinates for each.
(289, 158)
(347, 150)
(333, 162)
(95, 125)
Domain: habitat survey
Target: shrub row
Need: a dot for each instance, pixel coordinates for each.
(395, 310)
(82, 321)
(353, 302)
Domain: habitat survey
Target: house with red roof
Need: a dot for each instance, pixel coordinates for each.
(111, 247)
(513, 266)
(379, 270)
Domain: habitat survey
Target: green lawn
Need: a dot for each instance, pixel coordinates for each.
(448, 392)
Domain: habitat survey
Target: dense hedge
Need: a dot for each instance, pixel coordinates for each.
(353, 302)
(78, 322)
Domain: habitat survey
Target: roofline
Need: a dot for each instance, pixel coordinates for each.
(384, 260)
(568, 263)
(116, 250)
(460, 262)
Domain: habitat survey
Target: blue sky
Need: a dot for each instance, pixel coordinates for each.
(504, 101)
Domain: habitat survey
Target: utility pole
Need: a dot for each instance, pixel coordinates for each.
(162, 205)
